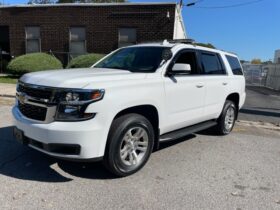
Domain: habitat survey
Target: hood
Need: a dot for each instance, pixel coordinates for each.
(79, 78)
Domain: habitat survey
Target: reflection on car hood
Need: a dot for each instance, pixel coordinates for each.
(79, 78)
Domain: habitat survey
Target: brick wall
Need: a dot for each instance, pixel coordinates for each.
(101, 22)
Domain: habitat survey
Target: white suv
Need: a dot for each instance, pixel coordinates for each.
(126, 104)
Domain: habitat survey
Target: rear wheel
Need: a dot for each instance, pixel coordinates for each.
(227, 119)
(130, 144)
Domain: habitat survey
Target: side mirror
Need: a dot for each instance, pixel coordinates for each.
(181, 68)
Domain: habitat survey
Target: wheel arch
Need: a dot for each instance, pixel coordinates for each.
(235, 98)
(148, 111)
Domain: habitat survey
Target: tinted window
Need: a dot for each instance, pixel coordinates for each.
(135, 59)
(235, 65)
(211, 64)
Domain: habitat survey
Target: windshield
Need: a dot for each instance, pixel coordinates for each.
(134, 59)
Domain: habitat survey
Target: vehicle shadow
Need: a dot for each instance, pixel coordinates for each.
(274, 109)
(21, 162)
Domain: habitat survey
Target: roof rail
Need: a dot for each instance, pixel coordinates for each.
(183, 41)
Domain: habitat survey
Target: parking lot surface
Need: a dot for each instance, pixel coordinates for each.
(262, 104)
(201, 171)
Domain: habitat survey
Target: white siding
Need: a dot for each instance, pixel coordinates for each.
(179, 27)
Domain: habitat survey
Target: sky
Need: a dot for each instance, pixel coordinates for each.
(251, 31)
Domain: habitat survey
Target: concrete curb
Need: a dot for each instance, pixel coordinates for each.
(7, 90)
(7, 96)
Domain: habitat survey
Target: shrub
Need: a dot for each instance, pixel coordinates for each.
(84, 61)
(209, 45)
(33, 62)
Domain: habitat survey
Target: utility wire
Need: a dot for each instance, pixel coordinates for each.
(193, 3)
(226, 6)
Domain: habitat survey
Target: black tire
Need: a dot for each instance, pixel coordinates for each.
(221, 128)
(119, 128)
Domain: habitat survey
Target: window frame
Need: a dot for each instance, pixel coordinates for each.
(76, 41)
(169, 71)
(32, 39)
(220, 60)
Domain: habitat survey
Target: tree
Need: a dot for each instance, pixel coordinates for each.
(206, 45)
(267, 62)
(256, 61)
(41, 1)
(65, 1)
(90, 1)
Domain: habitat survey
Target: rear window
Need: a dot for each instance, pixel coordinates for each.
(235, 65)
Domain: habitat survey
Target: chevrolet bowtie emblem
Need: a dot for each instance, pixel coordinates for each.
(22, 98)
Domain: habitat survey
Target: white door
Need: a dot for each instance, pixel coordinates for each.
(216, 83)
(185, 93)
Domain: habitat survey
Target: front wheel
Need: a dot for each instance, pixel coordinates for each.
(130, 143)
(227, 119)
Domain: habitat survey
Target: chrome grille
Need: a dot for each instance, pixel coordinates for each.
(35, 92)
(36, 102)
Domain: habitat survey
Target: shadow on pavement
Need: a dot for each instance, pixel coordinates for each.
(22, 162)
(208, 132)
(258, 112)
(274, 109)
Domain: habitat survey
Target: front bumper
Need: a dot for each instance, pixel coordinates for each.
(89, 136)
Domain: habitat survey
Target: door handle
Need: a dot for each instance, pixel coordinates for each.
(225, 83)
(199, 86)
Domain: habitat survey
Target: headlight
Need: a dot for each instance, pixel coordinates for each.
(72, 104)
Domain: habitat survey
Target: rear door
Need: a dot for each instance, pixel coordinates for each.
(216, 83)
(185, 93)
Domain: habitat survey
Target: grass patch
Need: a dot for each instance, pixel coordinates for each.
(9, 79)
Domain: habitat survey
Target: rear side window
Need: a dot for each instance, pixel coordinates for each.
(235, 65)
(211, 64)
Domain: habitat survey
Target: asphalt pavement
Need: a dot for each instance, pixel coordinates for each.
(202, 171)
(262, 104)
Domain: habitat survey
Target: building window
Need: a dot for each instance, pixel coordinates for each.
(127, 36)
(77, 45)
(33, 39)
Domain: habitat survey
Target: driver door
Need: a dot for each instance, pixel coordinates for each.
(184, 93)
